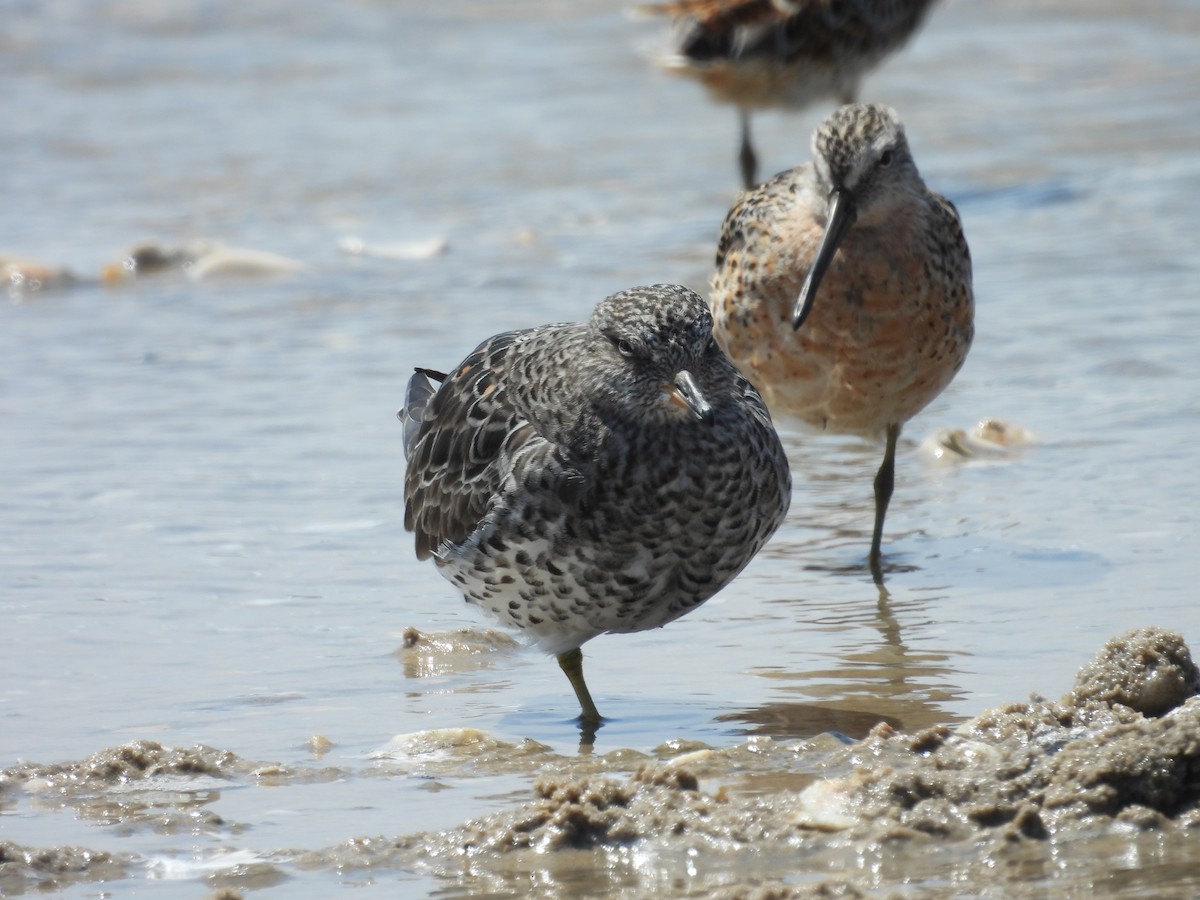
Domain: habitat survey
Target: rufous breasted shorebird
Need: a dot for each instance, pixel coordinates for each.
(843, 288)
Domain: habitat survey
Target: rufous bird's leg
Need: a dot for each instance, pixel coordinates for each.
(572, 665)
(746, 157)
(885, 480)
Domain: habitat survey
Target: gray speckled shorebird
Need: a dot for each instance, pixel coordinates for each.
(588, 478)
(788, 54)
(843, 288)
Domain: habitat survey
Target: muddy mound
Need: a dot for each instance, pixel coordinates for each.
(1032, 793)
(1122, 749)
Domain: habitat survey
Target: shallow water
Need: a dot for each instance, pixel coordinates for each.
(201, 535)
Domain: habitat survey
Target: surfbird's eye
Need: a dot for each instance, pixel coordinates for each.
(625, 348)
(886, 158)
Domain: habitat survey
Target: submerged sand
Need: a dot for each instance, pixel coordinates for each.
(1013, 800)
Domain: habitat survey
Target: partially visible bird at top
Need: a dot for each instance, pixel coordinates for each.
(784, 54)
(604, 477)
(843, 288)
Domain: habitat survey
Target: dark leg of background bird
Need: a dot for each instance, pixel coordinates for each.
(746, 157)
(572, 664)
(885, 480)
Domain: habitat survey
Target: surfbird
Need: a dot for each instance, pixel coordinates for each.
(581, 479)
(843, 288)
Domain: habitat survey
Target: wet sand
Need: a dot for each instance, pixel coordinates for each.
(1021, 797)
(251, 225)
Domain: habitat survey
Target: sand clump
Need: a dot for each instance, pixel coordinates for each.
(1121, 750)
(1115, 759)
(28, 869)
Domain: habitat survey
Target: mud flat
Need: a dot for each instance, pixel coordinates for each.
(1099, 787)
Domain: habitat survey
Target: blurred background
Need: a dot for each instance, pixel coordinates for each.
(230, 230)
